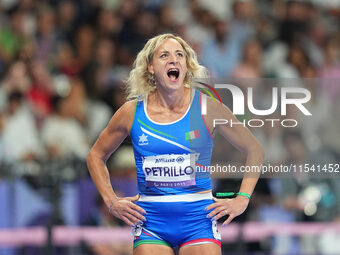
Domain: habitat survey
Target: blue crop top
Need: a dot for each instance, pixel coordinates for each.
(170, 157)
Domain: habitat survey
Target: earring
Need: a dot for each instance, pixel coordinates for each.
(152, 79)
(189, 75)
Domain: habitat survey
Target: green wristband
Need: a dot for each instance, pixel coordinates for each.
(225, 194)
(230, 194)
(243, 194)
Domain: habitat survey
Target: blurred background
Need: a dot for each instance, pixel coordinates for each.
(62, 71)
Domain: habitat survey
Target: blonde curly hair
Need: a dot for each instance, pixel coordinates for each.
(140, 81)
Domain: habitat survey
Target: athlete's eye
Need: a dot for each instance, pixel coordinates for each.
(180, 54)
(163, 55)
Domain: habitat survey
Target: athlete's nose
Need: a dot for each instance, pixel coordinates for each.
(173, 59)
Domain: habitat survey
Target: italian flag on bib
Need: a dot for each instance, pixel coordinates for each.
(191, 135)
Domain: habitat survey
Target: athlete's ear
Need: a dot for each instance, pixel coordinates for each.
(150, 68)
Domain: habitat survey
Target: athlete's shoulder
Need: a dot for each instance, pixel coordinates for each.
(210, 100)
(129, 106)
(213, 107)
(123, 117)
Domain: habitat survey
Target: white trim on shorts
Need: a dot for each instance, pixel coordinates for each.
(177, 198)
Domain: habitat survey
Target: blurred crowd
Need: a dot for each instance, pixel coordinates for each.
(63, 65)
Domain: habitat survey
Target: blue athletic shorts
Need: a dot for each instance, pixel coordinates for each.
(176, 224)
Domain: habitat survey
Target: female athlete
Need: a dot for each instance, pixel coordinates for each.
(172, 143)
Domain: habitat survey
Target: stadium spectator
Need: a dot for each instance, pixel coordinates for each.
(20, 136)
(62, 134)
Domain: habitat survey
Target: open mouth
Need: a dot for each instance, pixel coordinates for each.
(173, 74)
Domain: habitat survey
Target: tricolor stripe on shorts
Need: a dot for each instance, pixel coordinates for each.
(201, 241)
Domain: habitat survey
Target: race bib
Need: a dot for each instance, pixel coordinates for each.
(170, 170)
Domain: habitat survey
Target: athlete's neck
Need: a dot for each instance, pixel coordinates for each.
(174, 100)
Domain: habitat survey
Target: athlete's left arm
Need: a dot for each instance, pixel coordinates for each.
(241, 138)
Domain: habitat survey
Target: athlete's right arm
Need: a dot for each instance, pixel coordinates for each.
(108, 141)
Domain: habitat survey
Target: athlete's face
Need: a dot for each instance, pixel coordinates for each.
(169, 65)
